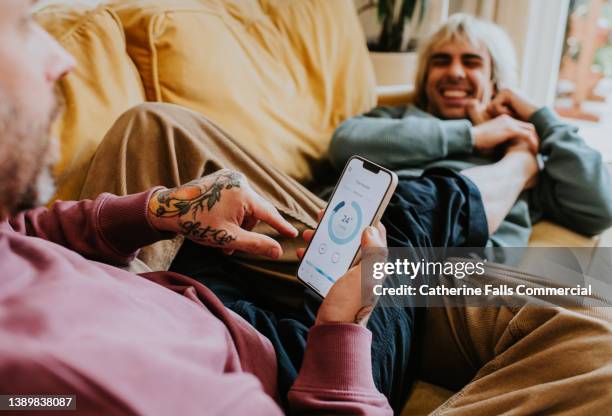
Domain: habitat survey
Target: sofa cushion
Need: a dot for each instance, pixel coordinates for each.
(277, 75)
(549, 234)
(104, 84)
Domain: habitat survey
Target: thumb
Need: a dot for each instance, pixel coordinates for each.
(372, 237)
(373, 246)
(374, 250)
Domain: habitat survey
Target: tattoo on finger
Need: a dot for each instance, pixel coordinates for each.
(208, 234)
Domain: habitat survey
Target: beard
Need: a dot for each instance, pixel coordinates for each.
(27, 154)
(37, 192)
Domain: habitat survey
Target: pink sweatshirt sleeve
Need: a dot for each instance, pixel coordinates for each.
(336, 374)
(109, 229)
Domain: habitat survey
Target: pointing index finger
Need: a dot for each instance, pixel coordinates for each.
(265, 211)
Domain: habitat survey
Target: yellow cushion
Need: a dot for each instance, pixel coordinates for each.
(277, 75)
(549, 234)
(104, 85)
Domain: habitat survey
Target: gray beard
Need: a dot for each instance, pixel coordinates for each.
(39, 192)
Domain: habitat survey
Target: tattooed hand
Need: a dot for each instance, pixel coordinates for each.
(343, 303)
(219, 210)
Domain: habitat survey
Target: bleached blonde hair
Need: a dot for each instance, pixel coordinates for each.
(463, 27)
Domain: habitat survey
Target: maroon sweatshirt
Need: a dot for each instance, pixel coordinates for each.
(157, 343)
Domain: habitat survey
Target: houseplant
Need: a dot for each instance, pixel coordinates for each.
(391, 50)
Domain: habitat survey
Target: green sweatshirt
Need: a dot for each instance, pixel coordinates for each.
(574, 189)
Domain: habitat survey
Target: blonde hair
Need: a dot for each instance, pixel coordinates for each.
(476, 32)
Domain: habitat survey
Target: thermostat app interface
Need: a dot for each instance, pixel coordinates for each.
(336, 241)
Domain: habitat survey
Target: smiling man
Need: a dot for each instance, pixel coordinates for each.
(458, 73)
(465, 114)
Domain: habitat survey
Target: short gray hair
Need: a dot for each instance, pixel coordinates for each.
(476, 32)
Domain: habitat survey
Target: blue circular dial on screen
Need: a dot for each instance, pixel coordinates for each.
(345, 222)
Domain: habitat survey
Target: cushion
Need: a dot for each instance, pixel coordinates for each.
(549, 234)
(104, 84)
(277, 75)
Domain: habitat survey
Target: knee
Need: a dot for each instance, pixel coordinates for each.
(558, 330)
(146, 114)
(153, 118)
(150, 107)
(142, 125)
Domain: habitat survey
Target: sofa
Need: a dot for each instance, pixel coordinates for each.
(278, 75)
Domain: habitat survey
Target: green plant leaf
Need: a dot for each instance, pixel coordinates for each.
(407, 9)
(383, 9)
(392, 26)
(422, 8)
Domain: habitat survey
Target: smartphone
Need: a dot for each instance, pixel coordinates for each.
(359, 200)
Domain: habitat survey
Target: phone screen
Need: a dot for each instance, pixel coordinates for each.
(351, 209)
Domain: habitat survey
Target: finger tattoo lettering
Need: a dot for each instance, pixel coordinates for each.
(216, 236)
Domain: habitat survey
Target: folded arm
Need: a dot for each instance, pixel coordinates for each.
(575, 188)
(389, 137)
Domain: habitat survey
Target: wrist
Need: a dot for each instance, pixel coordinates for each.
(523, 107)
(337, 357)
(154, 215)
(475, 137)
(527, 111)
(360, 317)
(522, 163)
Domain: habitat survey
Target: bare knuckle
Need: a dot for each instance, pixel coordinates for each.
(236, 175)
(256, 246)
(225, 171)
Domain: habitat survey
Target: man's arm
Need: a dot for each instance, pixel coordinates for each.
(109, 229)
(501, 183)
(575, 188)
(218, 210)
(395, 141)
(336, 373)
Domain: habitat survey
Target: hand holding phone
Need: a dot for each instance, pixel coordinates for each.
(344, 302)
(359, 199)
